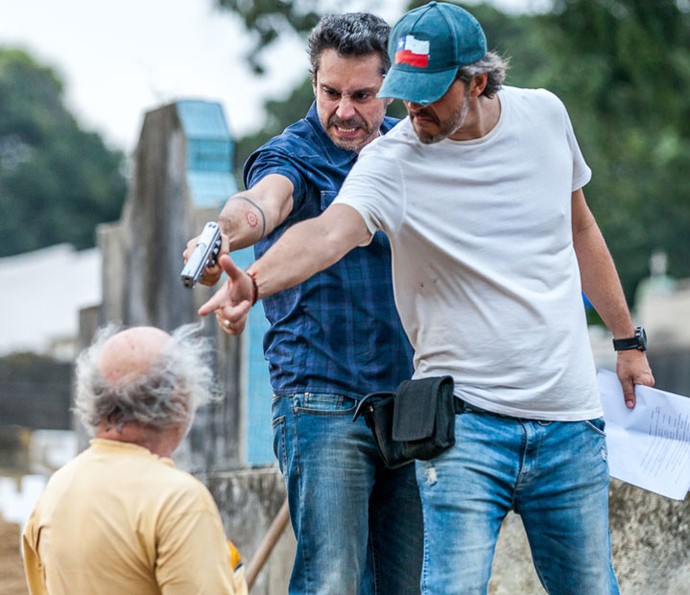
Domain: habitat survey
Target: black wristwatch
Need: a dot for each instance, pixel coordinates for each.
(639, 341)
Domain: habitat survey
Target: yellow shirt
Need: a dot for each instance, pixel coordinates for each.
(119, 520)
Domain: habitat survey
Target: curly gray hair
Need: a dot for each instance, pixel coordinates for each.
(169, 393)
(493, 64)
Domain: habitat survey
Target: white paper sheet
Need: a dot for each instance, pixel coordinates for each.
(648, 446)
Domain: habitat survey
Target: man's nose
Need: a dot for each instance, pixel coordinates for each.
(346, 108)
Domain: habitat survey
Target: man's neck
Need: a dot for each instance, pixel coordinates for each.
(482, 118)
(490, 113)
(160, 441)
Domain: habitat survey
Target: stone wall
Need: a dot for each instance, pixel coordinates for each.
(650, 540)
(650, 537)
(249, 501)
(35, 392)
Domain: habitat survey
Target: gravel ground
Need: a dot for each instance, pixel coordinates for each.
(11, 570)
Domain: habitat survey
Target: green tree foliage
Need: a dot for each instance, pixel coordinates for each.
(267, 20)
(623, 69)
(56, 181)
(279, 114)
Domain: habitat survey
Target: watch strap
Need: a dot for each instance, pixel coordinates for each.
(626, 344)
(639, 341)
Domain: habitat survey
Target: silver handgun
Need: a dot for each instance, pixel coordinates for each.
(205, 253)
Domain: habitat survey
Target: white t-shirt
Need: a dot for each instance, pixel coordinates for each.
(485, 274)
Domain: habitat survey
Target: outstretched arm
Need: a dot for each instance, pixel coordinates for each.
(305, 249)
(601, 284)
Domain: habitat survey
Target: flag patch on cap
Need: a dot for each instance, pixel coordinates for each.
(414, 52)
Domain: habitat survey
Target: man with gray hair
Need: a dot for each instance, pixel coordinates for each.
(119, 518)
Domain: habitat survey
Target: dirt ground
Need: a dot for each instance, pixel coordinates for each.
(11, 568)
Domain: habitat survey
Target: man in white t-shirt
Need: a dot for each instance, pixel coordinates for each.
(480, 193)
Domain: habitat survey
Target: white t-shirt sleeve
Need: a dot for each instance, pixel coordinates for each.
(582, 173)
(374, 189)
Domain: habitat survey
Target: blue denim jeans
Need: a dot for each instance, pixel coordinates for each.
(553, 474)
(358, 524)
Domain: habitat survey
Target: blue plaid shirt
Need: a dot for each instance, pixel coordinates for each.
(339, 331)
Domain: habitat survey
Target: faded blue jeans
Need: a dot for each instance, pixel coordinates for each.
(358, 524)
(553, 474)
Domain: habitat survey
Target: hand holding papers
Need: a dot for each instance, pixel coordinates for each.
(649, 446)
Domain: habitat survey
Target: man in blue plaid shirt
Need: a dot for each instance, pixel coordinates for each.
(335, 337)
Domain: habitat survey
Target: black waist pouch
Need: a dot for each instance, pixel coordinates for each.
(424, 417)
(378, 409)
(417, 421)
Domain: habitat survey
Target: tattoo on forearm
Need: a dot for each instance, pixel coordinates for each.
(251, 217)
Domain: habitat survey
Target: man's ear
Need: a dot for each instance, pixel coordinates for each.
(314, 81)
(478, 84)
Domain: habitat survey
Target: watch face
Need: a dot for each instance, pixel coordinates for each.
(641, 336)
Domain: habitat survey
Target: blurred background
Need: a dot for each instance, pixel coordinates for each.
(77, 77)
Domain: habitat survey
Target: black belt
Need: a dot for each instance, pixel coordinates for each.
(461, 406)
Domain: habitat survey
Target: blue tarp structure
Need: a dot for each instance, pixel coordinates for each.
(211, 180)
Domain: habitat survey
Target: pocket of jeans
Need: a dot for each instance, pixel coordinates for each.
(324, 404)
(597, 425)
(279, 447)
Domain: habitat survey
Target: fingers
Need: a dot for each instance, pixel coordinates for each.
(233, 321)
(224, 245)
(213, 272)
(632, 368)
(224, 295)
(191, 244)
(211, 275)
(231, 295)
(629, 394)
(231, 269)
(216, 301)
(233, 300)
(646, 379)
